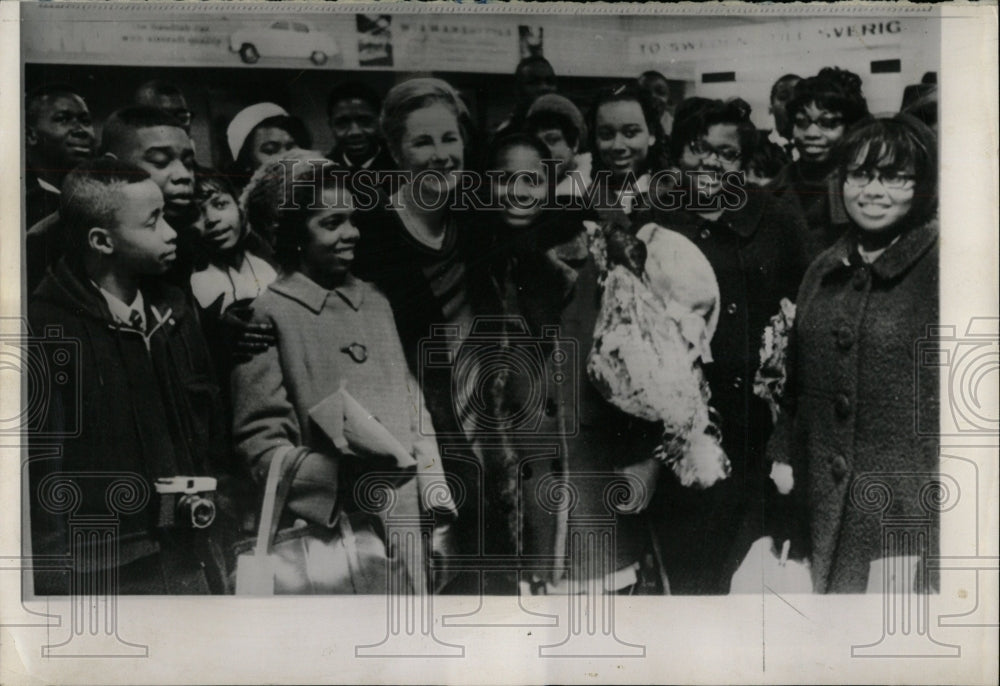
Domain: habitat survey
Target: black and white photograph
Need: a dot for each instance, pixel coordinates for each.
(656, 339)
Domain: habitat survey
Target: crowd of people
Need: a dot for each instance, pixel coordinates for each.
(636, 252)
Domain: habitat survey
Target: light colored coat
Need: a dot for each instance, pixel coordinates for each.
(274, 392)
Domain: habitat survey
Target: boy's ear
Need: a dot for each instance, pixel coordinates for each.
(101, 241)
(30, 135)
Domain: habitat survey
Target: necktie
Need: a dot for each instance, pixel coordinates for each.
(135, 319)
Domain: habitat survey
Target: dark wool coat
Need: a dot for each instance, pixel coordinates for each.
(397, 264)
(850, 428)
(379, 165)
(43, 246)
(580, 441)
(153, 412)
(39, 202)
(819, 202)
(758, 256)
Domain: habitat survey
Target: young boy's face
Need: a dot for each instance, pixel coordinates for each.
(353, 123)
(144, 243)
(166, 153)
(220, 226)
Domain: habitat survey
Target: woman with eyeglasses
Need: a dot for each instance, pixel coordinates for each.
(753, 242)
(822, 109)
(848, 442)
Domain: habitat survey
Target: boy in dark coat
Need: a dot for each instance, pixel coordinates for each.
(148, 407)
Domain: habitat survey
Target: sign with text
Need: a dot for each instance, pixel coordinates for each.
(772, 38)
(427, 42)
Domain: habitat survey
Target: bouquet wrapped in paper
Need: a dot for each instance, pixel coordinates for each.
(659, 309)
(769, 381)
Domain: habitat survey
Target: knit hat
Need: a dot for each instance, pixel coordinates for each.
(246, 120)
(553, 103)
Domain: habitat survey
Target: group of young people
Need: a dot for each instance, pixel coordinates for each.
(218, 313)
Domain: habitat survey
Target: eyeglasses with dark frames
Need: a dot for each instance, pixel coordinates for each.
(825, 122)
(890, 179)
(703, 150)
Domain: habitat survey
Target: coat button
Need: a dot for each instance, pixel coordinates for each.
(738, 382)
(839, 467)
(705, 234)
(845, 337)
(731, 308)
(550, 408)
(860, 279)
(842, 406)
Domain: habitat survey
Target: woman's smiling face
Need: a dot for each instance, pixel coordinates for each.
(708, 158)
(877, 199)
(432, 141)
(816, 131)
(327, 252)
(623, 137)
(521, 185)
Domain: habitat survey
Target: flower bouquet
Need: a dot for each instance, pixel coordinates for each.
(769, 381)
(658, 312)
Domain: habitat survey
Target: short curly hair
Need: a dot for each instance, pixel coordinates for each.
(696, 115)
(299, 201)
(833, 89)
(91, 197)
(265, 192)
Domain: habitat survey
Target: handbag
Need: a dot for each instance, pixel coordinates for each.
(764, 568)
(349, 557)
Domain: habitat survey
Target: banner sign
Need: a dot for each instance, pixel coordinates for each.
(792, 35)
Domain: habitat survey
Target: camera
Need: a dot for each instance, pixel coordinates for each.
(49, 371)
(502, 350)
(968, 367)
(186, 501)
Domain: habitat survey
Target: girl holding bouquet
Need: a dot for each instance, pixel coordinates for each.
(847, 442)
(753, 242)
(572, 464)
(335, 333)
(625, 137)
